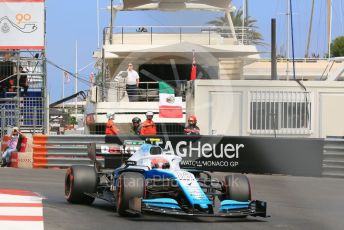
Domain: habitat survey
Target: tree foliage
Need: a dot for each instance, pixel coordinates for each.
(337, 47)
(237, 18)
(71, 120)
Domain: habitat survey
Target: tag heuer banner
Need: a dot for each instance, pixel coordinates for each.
(21, 24)
(290, 156)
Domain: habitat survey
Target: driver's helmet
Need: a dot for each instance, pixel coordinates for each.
(159, 163)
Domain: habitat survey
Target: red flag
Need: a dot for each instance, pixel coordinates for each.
(193, 74)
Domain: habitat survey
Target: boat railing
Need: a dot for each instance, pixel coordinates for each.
(146, 91)
(165, 35)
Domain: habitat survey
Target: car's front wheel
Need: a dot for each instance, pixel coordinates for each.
(236, 187)
(130, 185)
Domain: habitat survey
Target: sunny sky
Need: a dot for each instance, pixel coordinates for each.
(70, 21)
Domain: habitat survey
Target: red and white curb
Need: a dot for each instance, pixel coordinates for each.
(20, 210)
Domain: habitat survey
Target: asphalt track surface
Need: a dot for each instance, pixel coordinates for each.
(293, 203)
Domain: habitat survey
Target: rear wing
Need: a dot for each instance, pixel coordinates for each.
(114, 155)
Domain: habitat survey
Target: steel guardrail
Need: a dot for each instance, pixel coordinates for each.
(62, 151)
(333, 158)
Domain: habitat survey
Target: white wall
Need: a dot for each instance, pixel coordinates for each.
(223, 106)
(331, 114)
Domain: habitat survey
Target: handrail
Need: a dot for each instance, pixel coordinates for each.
(145, 91)
(245, 34)
(8, 77)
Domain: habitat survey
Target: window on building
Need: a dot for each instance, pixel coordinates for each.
(282, 112)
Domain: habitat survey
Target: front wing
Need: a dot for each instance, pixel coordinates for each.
(255, 208)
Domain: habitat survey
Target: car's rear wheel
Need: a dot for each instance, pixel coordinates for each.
(130, 185)
(236, 187)
(80, 179)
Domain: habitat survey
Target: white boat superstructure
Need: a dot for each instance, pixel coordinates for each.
(233, 94)
(164, 53)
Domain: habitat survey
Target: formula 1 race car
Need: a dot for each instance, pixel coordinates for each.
(151, 181)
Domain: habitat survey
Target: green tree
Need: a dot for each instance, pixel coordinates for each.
(237, 17)
(71, 120)
(337, 47)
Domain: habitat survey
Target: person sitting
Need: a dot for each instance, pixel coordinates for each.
(111, 128)
(148, 126)
(136, 126)
(13, 145)
(192, 128)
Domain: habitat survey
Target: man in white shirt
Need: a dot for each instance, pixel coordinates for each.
(133, 81)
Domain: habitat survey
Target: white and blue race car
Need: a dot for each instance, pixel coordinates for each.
(151, 181)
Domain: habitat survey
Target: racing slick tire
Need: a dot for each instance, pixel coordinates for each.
(129, 185)
(236, 187)
(80, 179)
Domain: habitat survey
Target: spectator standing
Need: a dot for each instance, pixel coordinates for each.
(148, 126)
(136, 126)
(23, 80)
(192, 128)
(111, 128)
(133, 80)
(13, 145)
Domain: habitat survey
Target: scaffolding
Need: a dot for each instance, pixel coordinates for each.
(23, 91)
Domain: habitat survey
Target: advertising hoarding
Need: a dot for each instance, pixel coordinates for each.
(22, 24)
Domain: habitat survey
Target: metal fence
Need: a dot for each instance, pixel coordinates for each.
(280, 112)
(146, 91)
(22, 94)
(29, 116)
(168, 35)
(162, 128)
(9, 119)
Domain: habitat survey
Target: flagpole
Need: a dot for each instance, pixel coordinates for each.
(76, 77)
(288, 38)
(63, 85)
(329, 25)
(243, 21)
(98, 24)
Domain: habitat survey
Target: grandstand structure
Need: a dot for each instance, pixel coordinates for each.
(23, 66)
(26, 110)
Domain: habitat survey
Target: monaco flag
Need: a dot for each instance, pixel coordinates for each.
(170, 106)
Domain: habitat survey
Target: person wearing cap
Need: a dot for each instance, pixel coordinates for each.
(148, 127)
(192, 128)
(136, 126)
(111, 128)
(13, 145)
